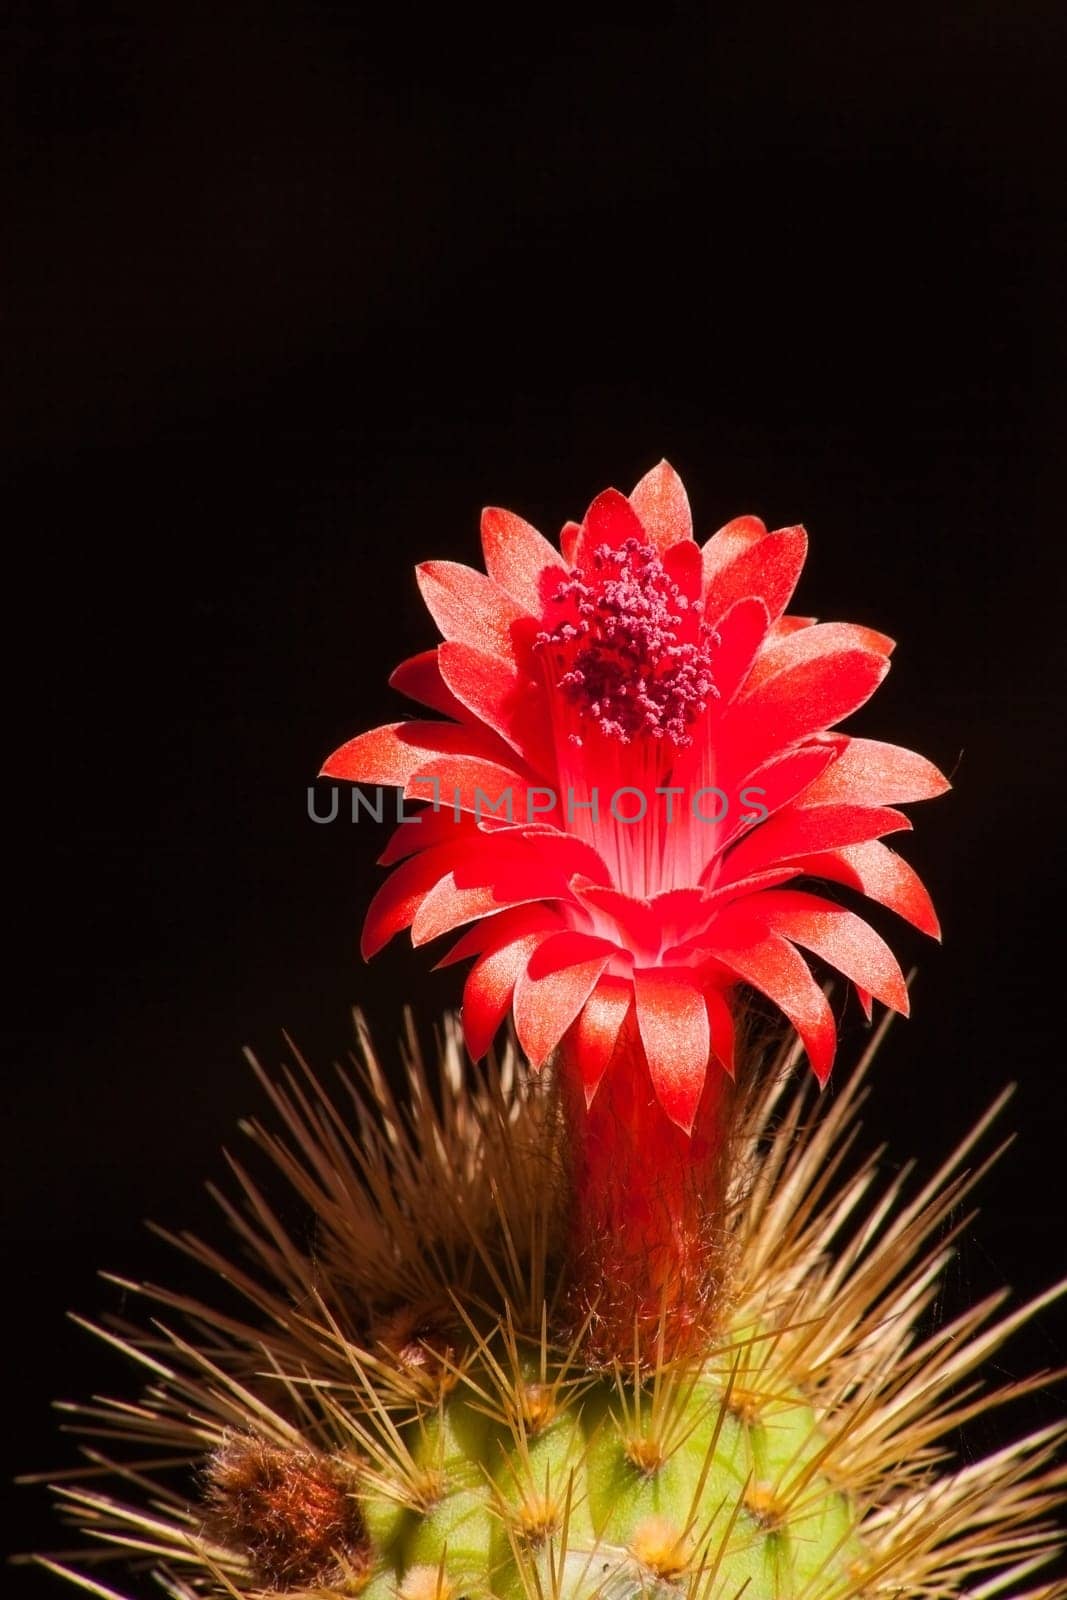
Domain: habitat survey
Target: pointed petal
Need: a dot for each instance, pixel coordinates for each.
(868, 772)
(467, 605)
(725, 546)
(771, 964)
(881, 875)
(721, 1018)
(797, 703)
(570, 534)
(838, 936)
(797, 830)
(419, 677)
(473, 784)
(770, 788)
(391, 755)
(662, 505)
(520, 559)
(489, 933)
(397, 901)
(498, 872)
(546, 1006)
(424, 829)
(741, 632)
(488, 991)
(673, 1022)
(768, 568)
(596, 1032)
(807, 644)
(501, 696)
(682, 564)
(610, 520)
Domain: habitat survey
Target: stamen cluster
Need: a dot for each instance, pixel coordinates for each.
(632, 669)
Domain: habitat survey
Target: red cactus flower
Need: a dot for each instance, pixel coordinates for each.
(636, 763)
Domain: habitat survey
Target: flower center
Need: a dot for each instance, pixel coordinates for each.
(633, 652)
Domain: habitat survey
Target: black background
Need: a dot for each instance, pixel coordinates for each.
(302, 287)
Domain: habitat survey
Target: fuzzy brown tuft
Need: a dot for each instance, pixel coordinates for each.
(291, 1512)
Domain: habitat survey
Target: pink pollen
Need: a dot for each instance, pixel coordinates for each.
(634, 655)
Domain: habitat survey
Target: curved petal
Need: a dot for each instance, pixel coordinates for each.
(662, 505)
(741, 633)
(488, 991)
(728, 543)
(808, 644)
(838, 936)
(774, 785)
(673, 1022)
(519, 559)
(797, 703)
(723, 1033)
(596, 1031)
(468, 605)
(394, 753)
(797, 830)
(768, 568)
(682, 565)
(569, 535)
(501, 696)
(610, 520)
(419, 677)
(424, 829)
(477, 785)
(486, 881)
(546, 1006)
(881, 875)
(772, 965)
(868, 772)
(397, 901)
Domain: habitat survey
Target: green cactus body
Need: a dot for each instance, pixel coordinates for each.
(410, 1410)
(610, 1489)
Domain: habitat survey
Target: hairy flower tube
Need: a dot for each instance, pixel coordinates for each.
(637, 799)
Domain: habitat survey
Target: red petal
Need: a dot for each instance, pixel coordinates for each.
(881, 875)
(596, 1032)
(837, 936)
(488, 990)
(519, 559)
(868, 772)
(484, 788)
(498, 871)
(610, 520)
(771, 965)
(570, 534)
(807, 644)
(773, 786)
(391, 755)
(725, 546)
(570, 947)
(797, 830)
(447, 906)
(673, 1022)
(397, 901)
(504, 928)
(768, 568)
(787, 625)
(424, 829)
(662, 505)
(741, 632)
(419, 677)
(501, 696)
(469, 606)
(721, 1018)
(797, 703)
(545, 1007)
(682, 564)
